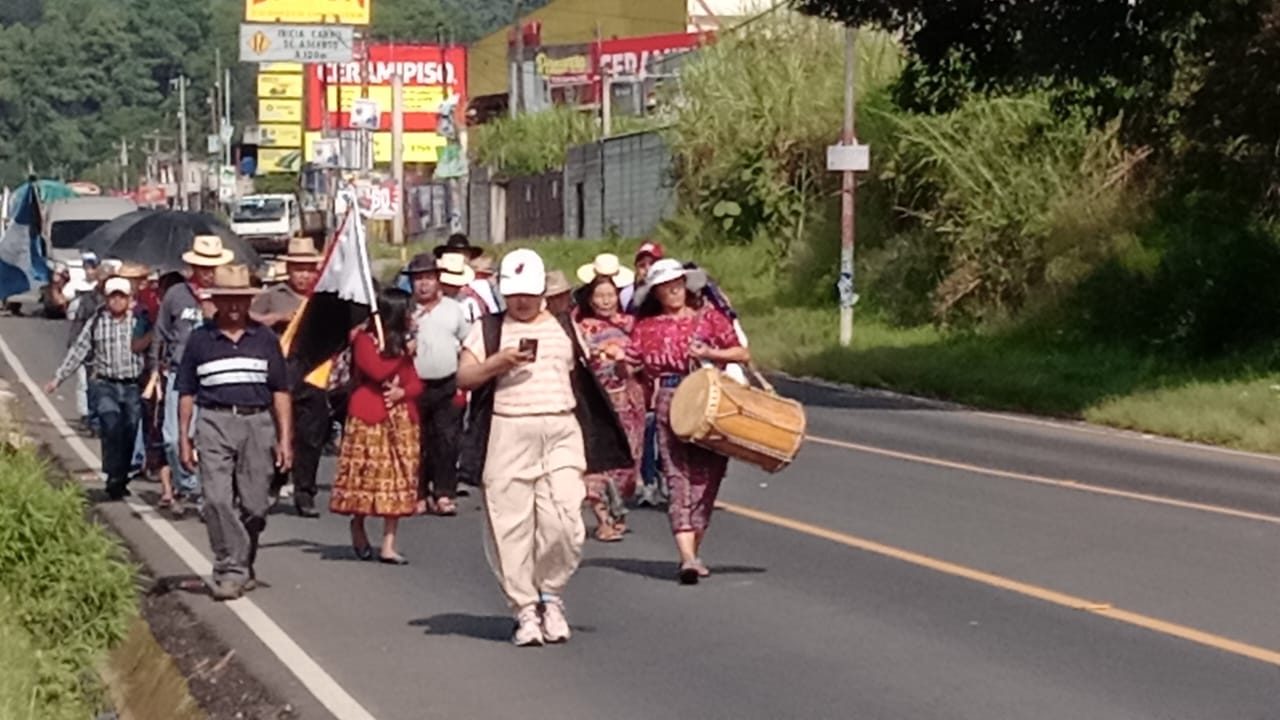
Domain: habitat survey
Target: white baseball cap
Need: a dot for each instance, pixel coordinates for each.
(522, 272)
(118, 285)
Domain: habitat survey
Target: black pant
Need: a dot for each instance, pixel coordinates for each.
(310, 431)
(440, 435)
(119, 407)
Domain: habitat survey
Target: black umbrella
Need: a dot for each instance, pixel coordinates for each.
(159, 238)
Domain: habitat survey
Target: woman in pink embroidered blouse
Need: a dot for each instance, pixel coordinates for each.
(676, 333)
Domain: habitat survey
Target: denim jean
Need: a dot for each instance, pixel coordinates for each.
(649, 460)
(186, 483)
(84, 400)
(119, 409)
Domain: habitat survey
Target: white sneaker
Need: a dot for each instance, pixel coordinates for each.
(555, 628)
(528, 629)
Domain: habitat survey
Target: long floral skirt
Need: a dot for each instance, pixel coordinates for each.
(616, 487)
(693, 473)
(377, 467)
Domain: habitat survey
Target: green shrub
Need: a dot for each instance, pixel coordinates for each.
(533, 143)
(66, 578)
(1001, 203)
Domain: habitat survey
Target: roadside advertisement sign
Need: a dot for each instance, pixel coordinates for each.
(286, 136)
(279, 160)
(430, 73)
(282, 68)
(296, 43)
(279, 87)
(419, 147)
(634, 55)
(378, 197)
(280, 111)
(344, 12)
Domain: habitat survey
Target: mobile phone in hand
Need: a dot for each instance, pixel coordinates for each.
(529, 346)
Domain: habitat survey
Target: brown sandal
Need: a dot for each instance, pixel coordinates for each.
(607, 533)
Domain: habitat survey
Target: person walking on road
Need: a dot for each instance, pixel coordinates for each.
(182, 310)
(378, 462)
(440, 326)
(105, 345)
(677, 332)
(275, 307)
(539, 421)
(607, 332)
(234, 371)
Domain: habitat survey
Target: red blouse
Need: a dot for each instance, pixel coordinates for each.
(661, 343)
(370, 371)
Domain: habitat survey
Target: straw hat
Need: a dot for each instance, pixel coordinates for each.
(207, 251)
(232, 280)
(607, 265)
(133, 271)
(302, 249)
(454, 270)
(557, 284)
(277, 271)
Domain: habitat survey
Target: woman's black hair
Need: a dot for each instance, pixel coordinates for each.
(651, 307)
(582, 296)
(393, 308)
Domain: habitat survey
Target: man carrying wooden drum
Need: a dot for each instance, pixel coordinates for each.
(677, 333)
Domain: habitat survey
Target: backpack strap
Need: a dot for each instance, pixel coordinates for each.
(491, 328)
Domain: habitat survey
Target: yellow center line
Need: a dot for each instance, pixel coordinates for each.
(1073, 602)
(1052, 482)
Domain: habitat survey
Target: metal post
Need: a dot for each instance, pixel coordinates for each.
(606, 105)
(226, 115)
(397, 155)
(124, 165)
(848, 192)
(519, 75)
(183, 200)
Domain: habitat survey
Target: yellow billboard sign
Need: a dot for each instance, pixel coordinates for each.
(279, 87)
(280, 111)
(280, 136)
(274, 161)
(339, 12)
(282, 68)
(419, 147)
(417, 99)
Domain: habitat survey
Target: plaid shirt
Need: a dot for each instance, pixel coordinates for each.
(104, 344)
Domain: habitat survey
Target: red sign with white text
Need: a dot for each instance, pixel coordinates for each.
(634, 55)
(430, 74)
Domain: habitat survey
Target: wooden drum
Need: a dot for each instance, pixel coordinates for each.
(745, 423)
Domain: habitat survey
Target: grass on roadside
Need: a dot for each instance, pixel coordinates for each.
(1228, 402)
(66, 585)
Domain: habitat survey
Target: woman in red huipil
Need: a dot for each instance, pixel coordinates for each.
(378, 461)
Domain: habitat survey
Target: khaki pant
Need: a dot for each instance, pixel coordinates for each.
(533, 493)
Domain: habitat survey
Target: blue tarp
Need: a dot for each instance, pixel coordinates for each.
(23, 264)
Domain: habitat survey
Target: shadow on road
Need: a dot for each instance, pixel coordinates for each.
(662, 569)
(190, 584)
(326, 552)
(481, 627)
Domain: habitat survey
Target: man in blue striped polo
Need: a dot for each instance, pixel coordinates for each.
(234, 371)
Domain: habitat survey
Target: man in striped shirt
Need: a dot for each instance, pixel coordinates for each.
(234, 371)
(105, 348)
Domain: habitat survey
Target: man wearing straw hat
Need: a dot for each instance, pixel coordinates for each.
(275, 308)
(234, 371)
(182, 311)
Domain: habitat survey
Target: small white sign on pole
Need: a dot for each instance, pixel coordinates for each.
(848, 158)
(263, 43)
(365, 114)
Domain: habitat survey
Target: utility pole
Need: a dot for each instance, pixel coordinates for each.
(397, 156)
(848, 192)
(518, 77)
(183, 200)
(226, 117)
(124, 165)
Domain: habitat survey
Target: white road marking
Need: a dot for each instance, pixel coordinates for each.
(303, 666)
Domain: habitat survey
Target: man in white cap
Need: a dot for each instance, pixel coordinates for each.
(105, 345)
(539, 420)
(184, 308)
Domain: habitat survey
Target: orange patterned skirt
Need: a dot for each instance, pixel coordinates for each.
(377, 467)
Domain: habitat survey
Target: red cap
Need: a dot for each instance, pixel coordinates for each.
(652, 249)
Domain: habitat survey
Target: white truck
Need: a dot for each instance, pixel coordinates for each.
(267, 222)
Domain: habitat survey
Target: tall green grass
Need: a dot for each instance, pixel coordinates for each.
(67, 584)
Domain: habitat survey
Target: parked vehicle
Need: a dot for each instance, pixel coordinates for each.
(267, 222)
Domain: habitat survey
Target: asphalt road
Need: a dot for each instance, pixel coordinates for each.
(889, 573)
